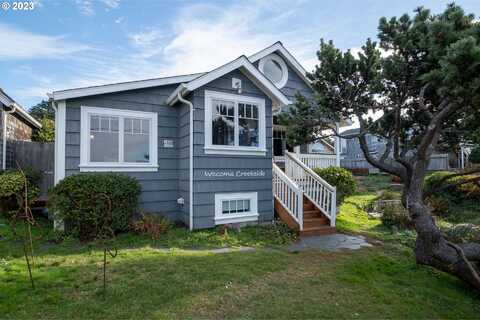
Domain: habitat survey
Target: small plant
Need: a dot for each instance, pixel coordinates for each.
(153, 225)
(394, 215)
(80, 200)
(340, 178)
(17, 192)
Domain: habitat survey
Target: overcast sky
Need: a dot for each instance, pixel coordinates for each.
(75, 43)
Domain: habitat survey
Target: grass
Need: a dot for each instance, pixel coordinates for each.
(166, 279)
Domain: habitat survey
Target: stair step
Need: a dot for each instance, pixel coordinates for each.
(312, 213)
(317, 231)
(315, 222)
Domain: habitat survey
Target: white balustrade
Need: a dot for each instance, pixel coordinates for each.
(289, 195)
(317, 190)
(318, 160)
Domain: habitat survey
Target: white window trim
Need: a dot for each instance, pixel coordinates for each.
(87, 166)
(281, 63)
(252, 215)
(210, 148)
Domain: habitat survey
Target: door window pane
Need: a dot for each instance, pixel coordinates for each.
(136, 143)
(223, 123)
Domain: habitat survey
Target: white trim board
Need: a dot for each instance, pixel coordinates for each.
(60, 132)
(123, 86)
(246, 67)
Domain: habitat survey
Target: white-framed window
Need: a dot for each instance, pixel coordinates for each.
(118, 140)
(235, 207)
(275, 69)
(234, 124)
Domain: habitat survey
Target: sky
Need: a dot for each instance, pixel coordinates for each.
(63, 44)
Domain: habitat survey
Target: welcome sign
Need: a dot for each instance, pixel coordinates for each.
(234, 173)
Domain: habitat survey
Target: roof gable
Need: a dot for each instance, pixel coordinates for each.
(277, 47)
(246, 67)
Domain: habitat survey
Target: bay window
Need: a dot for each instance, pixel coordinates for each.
(117, 140)
(234, 124)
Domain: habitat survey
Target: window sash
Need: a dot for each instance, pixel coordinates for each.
(146, 119)
(250, 112)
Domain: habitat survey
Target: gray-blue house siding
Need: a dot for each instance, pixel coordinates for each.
(166, 190)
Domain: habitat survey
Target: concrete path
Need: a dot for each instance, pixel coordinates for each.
(332, 242)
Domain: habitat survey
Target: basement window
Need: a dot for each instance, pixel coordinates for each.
(235, 207)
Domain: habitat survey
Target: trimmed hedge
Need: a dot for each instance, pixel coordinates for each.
(83, 200)
(340, 178)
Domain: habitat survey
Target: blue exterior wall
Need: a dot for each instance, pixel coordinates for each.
(206, 187)
(160, 189)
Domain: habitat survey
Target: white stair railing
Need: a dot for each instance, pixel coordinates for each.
(318, 160)
(289, 195)
(317, 190)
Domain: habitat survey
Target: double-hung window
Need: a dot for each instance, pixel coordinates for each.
(234, 124)
(118, 140)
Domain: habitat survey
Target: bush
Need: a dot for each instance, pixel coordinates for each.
(475, 155)
(12, 191)
(443, 200)
(150, 224)
(462, 233)
(340, 178)
(394, 215)
(83, 200)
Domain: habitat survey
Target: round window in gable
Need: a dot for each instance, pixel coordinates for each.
(275, 69)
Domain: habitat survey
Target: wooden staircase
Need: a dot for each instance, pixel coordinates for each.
(303, 200)
(314, 221)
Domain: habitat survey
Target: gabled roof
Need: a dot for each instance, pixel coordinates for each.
(10, 103)
(290, 59)
(246, 67)
(122, 86)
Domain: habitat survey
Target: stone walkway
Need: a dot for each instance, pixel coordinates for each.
(332, 242)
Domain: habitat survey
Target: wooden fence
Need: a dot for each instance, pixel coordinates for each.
(36, 155)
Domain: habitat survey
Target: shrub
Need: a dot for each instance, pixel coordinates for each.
(475, 155)
(394, 215)
(340, 178)
(83, 200)
(461, 233)
(446, 196)
(12, 191)
(150, 224)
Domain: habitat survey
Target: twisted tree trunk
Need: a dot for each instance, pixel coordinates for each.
(431, 246)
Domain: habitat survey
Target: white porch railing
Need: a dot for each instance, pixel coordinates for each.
(317, 160)
(317, 190)
(289, 195)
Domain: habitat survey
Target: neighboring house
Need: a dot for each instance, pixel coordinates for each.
(16, 125)
(201, 145)
(353, 158)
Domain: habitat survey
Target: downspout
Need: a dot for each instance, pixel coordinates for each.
(190, 202)
(4, 146)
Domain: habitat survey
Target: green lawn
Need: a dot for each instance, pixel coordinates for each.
(148, 281)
